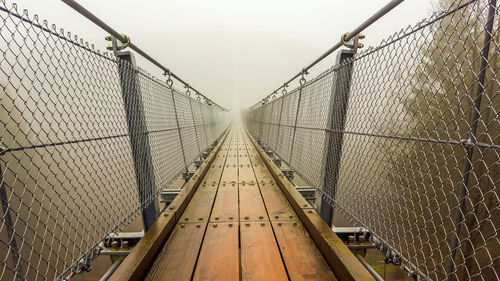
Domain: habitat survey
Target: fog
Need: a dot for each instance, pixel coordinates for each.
(234, 52)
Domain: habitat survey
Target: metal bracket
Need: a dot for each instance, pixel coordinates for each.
(289, 173)
(187, 175)
(168, 195)
(307, 192)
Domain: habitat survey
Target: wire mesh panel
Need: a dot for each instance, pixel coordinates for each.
(420, 144)
(67, 172)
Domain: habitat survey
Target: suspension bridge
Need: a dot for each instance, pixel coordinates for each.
(390, 156)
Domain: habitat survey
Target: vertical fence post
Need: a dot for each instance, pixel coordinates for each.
(9, 227)
(179, 130)
(334, 131)
(295, 123)
(279, 124)
(459, 221)
(194, 126)
(139, 139)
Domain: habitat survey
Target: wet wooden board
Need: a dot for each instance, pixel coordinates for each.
(276, 203)
(260, 257)
(219, 256)
(343, 262)
(200, 206)
(303, 260)
(135, 266)
(177, 259)
(230, 173)
(226, 205)
(251, 204)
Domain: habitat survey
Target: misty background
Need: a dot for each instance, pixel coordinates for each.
(234, 52)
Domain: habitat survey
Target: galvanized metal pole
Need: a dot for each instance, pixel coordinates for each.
(9, 227)
(194, 126)
(335, 127)
(295, 123)
(139, 140)
(179, 130)
(459, 221)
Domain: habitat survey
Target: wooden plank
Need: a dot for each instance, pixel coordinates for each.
(200, 206)
(230, 173)
(141, 257)
(276, 203)
(226, 205)
(260, 257)
(343, 262)
(219, 256)
(137, 263)
(303, 261)
(251, 205)
(177, 259)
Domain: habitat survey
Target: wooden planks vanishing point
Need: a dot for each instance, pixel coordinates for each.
(239, 218)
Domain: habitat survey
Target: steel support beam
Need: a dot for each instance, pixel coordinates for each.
(139, 140)
(335, 125)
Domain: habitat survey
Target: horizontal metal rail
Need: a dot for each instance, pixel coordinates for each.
(380, 13)
(93, 18)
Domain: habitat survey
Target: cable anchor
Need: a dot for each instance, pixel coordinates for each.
(117, 45)
(353, 41)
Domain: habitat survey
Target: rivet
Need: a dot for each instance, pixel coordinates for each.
(294, 223)
(290, 216)
(215, 225)
(230, 218)
(186, 219)
(230, 225)
(198, 226)
(279, 223)
(261, 217)
(216, 218)
(246, 217)
(262, 223)
(182, 225)
(166, 214)
(310, 211)
(247, 224)
(276, 216)
(305, 205)
(171, 208)
(200, 219)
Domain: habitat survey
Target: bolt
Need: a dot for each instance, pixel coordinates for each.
(279, 223)
(114, 246)
(186, 219)
(230, 225)
(276, 216)
(261, 217)
(247, 224)
(182, 225)
(216, 218)
(230, 218)
(200, 219)
(246, 217)
(215, 225)
(290, 216)
(310, 211)
(198, 226)
(166, 214)
(305, 205)
(294, 223)
(262, 223)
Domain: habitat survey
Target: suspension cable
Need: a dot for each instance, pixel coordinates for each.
(345, 38)
(93, 18)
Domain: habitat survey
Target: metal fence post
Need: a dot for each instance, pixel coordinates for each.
(9, 227)
(334, 130)
(139, 140)
(295, 123)
(179, 130)
(194, 126)
(460, 221)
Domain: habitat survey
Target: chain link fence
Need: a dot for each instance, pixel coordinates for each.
(75, 125)
(404, 140)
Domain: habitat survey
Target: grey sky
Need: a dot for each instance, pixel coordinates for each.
(235, 52)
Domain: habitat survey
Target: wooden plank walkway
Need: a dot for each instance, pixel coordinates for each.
(239, 224)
